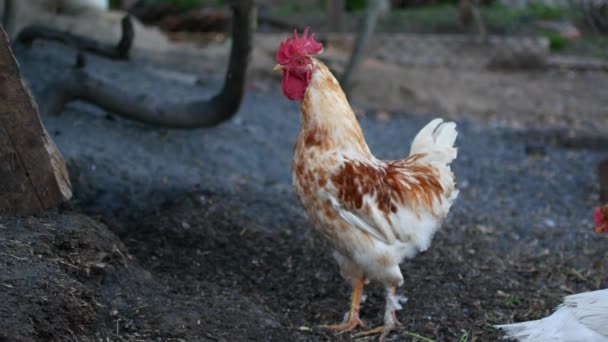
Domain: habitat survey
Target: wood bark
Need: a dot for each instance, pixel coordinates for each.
(33, 176)
(78, 84)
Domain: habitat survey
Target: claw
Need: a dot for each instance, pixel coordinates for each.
(390, 317)
(373, 331)
(383, 330)
(353, 322)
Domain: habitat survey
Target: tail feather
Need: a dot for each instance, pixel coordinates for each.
(520, 331)
(436, 140)
(445, 134)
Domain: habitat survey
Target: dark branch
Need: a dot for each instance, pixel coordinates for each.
(80, 85)
(118, 51)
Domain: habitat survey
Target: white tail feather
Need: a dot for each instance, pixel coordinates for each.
(436, 140)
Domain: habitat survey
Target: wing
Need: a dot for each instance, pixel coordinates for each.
(591, 309)
(397, 200)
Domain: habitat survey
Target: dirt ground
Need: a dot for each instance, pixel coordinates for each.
(197, 235)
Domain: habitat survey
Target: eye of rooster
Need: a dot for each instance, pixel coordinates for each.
(300, 61)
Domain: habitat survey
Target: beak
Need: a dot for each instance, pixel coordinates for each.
(278, 67)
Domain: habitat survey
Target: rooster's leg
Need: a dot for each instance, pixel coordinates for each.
(390, 318)
(353, 319)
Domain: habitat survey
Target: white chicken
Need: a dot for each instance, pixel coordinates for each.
(581, 317)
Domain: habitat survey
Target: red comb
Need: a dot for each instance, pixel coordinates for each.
(298, 46)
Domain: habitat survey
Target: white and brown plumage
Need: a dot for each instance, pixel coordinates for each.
(375, 213)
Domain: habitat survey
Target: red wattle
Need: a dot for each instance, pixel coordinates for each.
(293, 86)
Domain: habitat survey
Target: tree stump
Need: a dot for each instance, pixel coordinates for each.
(33, 176)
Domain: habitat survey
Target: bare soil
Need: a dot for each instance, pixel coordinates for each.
(197, 236)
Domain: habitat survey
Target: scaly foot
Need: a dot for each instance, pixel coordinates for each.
(352, 322)
(383, 330)
(390, 318)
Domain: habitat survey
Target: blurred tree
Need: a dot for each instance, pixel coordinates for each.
(335, 15)
(470, 18)
(118, 51)
(368, 24)
(33, 176)
(596, 14)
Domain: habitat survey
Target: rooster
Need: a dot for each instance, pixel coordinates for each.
(374, 213)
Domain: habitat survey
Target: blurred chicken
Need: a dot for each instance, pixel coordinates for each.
(600, 217)
(375, 213)
(581, 317)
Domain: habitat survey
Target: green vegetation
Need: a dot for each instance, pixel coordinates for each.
(556, 41)
(464, 337)
(595, 46)
(417, 337)
(542, 11)
(296, 12)
(513, 300)
(436, 18)
(290, 9)
(355, 5)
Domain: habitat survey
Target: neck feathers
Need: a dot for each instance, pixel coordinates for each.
(325, 107)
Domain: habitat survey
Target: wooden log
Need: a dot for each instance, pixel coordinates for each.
(33, 176)
(119, 51)
(78, 84)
